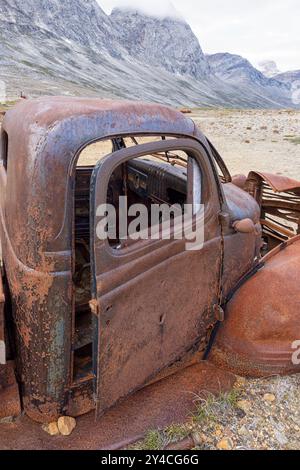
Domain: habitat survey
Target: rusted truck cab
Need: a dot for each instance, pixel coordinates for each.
(91, 321)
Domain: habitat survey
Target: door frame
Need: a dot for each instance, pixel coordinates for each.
(109, 163)
(114, 259)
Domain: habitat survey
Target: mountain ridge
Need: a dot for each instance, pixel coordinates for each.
(166, 42)
(73, 47)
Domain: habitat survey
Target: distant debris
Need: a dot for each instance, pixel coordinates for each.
(186, 111)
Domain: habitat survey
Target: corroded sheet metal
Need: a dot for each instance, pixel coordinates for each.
(9, 392)
(239, 181)
(278, 183)
(262, 319)
(2, 337)
(36, 198)
(146, 322)
(240, 249)
(41, 304)
(52, 131)
(279, 199)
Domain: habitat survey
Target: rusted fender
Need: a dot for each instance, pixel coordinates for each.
(262, 320)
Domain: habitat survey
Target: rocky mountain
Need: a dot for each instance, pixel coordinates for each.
(167, 43)
(49, 46)
(239, 71)
(292, 79)
(80, 21)
(289, 77)
(73, 47)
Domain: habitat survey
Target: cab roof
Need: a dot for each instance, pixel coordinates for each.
(46, 135)
(113, 117)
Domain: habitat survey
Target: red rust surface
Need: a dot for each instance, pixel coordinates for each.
(9, 392)
(145, 324)
(2, 337)
(45, 137)
(262, 319)
(278, 183)
(159, 405)
(239, 181)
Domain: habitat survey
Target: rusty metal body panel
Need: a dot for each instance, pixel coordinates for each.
(278, 183)
(44, 138)
(262, 318)
(41, 142)
(2, 321)
(10, 405)
(279, 200)
(152, 315)
(240, 250)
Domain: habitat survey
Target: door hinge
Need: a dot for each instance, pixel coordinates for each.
(94, 306)
(219, 313)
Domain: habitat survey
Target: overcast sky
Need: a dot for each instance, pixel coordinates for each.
(256, 29)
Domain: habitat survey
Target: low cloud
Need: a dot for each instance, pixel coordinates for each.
(258, 30)
(156, 8)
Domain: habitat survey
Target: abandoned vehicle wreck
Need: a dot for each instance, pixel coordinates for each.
(86, 322)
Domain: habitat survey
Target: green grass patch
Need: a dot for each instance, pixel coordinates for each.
(157, 440)
(153, 441)
(293, 139)
(176, 432)
(208, 408)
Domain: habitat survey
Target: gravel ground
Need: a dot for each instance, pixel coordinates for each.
(265, 415)
(258, 414)
(254, 139)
